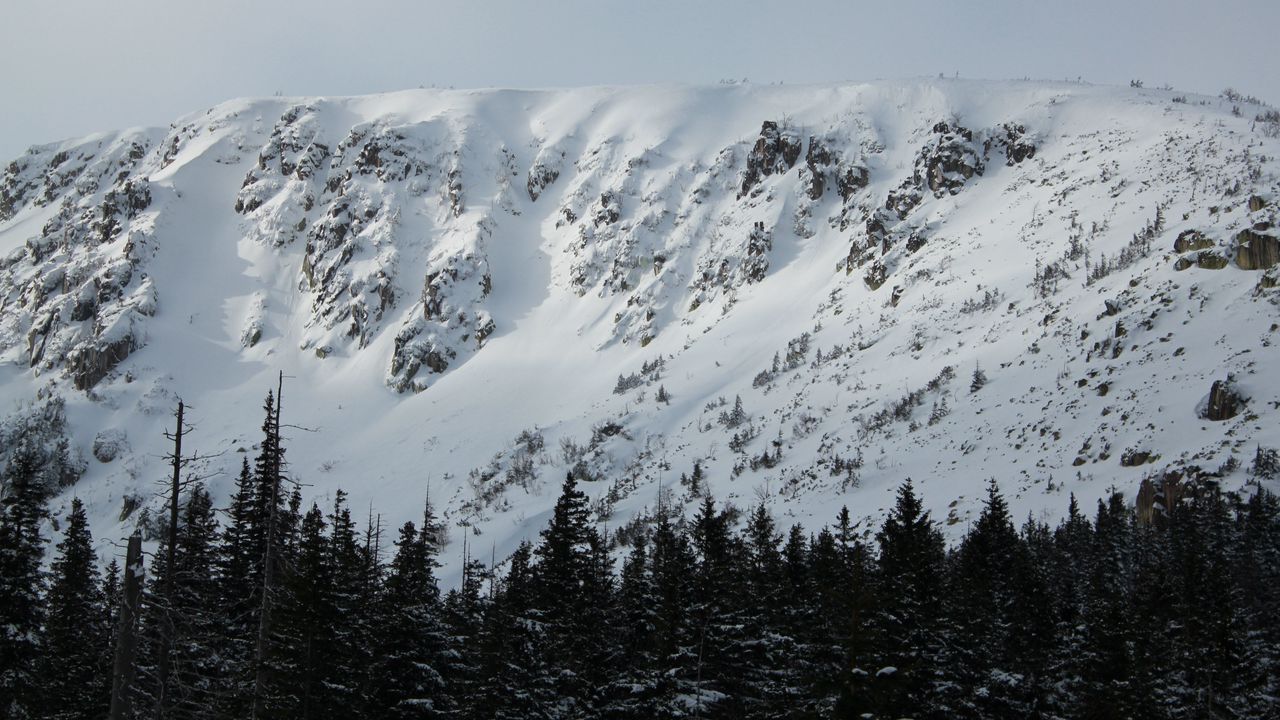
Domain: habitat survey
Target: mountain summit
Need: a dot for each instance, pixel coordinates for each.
(796, 295)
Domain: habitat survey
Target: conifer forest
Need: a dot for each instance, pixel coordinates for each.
(270, 608)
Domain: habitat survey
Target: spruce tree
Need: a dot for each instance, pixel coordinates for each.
(513, 681)
(411, 637)
(573, 592)
(982, 600)
(72, 664)
(198, 670)
(720, 671)
(21, 584)
(898, 678)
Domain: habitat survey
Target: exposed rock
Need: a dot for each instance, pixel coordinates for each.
(1111, 307)
(1256, 203)
(851, 180)
(1012, 139)
(1255, 251)
(609, 210)
(1211, 261)
(540, 177)
(1224, 403)
(817, 159)
(775, 151)
(1189, 240)
(88, 364)
(876, 275)
(946, 164)
(1134, 458)
(109, 444)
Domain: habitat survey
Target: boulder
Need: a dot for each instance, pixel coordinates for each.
(775, 151)
(1255, 251)
(1189, 240)
(1224, 403)
(109, 444)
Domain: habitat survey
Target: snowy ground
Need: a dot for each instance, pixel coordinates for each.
(577, 302)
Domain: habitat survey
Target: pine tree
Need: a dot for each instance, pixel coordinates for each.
(72, 665)
(463, 614)
(513, 681)
(299, 665)
(21, 586)
(411, 637)
(720, 673)
(769, 658)
(1107, 663)
(238, 578)
(198, 670)
(981, 604)
(897, 678)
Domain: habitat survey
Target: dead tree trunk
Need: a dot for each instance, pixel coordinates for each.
(124, 666)
(268, 568)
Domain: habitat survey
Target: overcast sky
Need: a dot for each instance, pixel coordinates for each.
(75, 66)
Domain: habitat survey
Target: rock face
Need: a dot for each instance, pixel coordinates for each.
(1256, 251)
(1224, 403)
(950, 157)
(1189, 240)
(76, 296)
(776, 151)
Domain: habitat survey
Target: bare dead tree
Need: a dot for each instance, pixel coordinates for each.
(124, 666)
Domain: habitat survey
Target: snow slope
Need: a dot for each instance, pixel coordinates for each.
(453, 283)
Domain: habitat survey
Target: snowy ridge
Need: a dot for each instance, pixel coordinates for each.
(484, 290)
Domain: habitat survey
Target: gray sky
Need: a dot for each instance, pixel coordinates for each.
(76, 66)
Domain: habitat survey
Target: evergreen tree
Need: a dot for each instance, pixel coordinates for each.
(769, 653)
(898, 678)
(21, 586)
(72, 664)
(411, 638)
(574, 591)
(347, 666)
(198, 670)
(1106, 663)
(238, 581)
(513, 680)
(720, 673)
(982, 602)
(463, 613)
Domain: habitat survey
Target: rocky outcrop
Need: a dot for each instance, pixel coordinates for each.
(947, 162)
(1256, 251)
(1223, 403)
(1012, 140)
(540, 178)
(452, 322)
(817, 159)
(775, 151)
(1189, 240)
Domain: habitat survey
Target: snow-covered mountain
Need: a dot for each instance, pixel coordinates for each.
(791, 288)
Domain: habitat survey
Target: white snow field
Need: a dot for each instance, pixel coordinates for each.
(453, 283)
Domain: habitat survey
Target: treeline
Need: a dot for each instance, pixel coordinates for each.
(281, 611)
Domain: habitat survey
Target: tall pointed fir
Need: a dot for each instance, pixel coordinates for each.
(514, 682)
(197, 670)
(21, 583)
(574, 590)
(72, 667)
(463, 615)
(238, 578)
(1107, 662)
(720, 672)
(898, 678)
(411, 639)
(981, 603)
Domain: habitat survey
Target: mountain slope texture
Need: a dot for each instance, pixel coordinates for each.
(808, 294)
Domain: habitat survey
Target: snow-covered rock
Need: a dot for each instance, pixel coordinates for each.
(456, 282)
